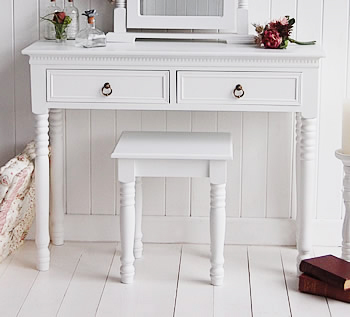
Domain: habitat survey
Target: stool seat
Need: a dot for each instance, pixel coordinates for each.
(171, 154)
(174, 145)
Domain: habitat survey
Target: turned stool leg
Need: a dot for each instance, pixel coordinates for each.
(217, 232)
(138, 245)
(127, 231)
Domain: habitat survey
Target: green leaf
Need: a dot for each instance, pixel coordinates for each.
(291, 21)
(284, 43)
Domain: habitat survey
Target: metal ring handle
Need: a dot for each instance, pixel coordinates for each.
(238, 92)
(107, 87)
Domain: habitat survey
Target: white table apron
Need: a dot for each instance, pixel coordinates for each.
(169, 76)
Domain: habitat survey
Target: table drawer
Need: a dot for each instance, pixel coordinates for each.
(127, 86)
(260, 88)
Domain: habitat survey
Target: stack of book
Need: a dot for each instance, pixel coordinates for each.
(327, 276)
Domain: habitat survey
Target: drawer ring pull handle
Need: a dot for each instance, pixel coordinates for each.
(238, 92)
(107, 90)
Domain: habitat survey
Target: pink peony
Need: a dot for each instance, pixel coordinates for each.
(271, 39)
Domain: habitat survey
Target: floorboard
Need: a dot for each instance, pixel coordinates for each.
(195, 295)
(302, 305)
(153, 291)
(50, 287)
(17, 280)
(233, 298)
(268, 289)
(86, 288)
(171, 280)
(5, 264)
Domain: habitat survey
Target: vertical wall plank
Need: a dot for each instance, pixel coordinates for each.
(281, 8)
(232, 122)
(279, 165)
(336, 17)
(259, 12)
(254, 165)
(7, 100)
(78, 161)
(102, 166)
(24, 34)
(177, 190)
(126, 121)
(311, 10)
(200, 198)
(153, 188)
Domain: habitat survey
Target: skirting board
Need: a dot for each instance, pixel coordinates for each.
(158, 229)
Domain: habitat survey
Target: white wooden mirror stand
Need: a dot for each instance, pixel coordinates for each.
(223, 20)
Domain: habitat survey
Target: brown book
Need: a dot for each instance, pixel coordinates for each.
(310, 285)
(329, 269)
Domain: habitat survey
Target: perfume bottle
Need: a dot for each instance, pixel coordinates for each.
(49, 31)
(90, 36)
(73, 13)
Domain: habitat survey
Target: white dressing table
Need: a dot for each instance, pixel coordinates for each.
(168, 76)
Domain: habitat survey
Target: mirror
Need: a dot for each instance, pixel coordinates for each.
(182, 7)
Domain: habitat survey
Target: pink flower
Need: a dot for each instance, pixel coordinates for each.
(283, 21)
(271, 39)
(59, 17)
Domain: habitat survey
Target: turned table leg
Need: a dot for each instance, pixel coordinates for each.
(345, 158)
(138, 246)
(305, 174)
(217, 232)
(42, 178)
(127, 231)
(57, 179)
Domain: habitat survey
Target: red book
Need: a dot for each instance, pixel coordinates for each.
(329, 269)
(310, 285)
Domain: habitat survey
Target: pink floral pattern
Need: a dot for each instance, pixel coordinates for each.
(17, 200)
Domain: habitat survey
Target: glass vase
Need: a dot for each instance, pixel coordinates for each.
(61, 34)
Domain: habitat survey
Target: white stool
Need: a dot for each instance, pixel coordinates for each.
(171, 154)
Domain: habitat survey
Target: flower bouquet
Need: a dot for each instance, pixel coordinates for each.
(61, 21)
(276, 34)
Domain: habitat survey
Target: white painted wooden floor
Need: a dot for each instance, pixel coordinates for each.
(171, 280)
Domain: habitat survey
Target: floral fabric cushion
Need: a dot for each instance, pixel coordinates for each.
(17, 200)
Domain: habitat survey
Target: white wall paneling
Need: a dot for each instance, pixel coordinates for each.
(78, 161)
(260, 180)
(7, 83)
(153, 188)
(178, 204)
(202, 121)
(102, 167)
(254, 164)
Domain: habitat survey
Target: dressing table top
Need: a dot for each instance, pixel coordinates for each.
(168, 49)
